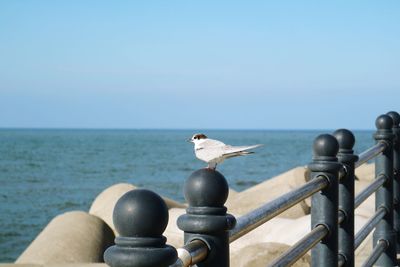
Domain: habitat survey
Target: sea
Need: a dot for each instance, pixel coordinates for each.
(46, 172)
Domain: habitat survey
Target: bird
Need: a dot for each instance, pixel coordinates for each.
(215, 152)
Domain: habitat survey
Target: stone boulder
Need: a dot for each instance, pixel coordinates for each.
(103, 205)
(172, 232)
(72, 237)
(366, 172)
(254, 197)
(263, 253)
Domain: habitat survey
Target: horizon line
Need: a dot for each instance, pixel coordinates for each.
(177, 129)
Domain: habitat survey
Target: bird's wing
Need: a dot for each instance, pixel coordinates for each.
(235, 149)
(211, 144)
(210, 149)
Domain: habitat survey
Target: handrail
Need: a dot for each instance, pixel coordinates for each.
(301, 247)
(257, 217)
(192, 253)
(369, 190)
(381, 246)
(369, 226)
(209, 229)
(370, 153)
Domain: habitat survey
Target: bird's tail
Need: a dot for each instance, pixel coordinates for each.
(254, 146)
(236, 154)
(242, 153)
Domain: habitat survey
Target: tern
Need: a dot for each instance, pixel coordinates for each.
(215, 152)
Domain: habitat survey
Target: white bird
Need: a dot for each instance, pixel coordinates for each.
(214, 152)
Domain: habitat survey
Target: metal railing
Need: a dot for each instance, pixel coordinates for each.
(208, 229)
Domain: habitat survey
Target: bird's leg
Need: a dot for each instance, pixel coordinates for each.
(212, 166)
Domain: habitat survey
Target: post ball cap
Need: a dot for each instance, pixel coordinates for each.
(206, 188)
(325, 145)
(395, 117)
(384, 122)
(345, 138)
(140, 213)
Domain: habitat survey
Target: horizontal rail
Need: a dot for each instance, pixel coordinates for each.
(301, 247)
(369, 190)
(257, 217)
(192, 253)
(376, 253)
(369, 226)
(370, 153)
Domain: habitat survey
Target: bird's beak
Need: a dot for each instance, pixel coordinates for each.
(189, 140)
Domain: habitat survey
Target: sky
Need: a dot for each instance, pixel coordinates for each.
(198, 64)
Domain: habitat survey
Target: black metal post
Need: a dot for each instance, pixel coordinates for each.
(346, 156)
(384, 195)
(206, 219)
(396, 174)
(140, 217)
(324, 204)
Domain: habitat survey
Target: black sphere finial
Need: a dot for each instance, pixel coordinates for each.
(325, 145)
(345, 139)
(384, 122)
(206, 188)
(395, 117)
(140, 217)
(140, 213)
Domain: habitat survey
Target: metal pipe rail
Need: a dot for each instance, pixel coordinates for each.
(381, 246)
(369, 226)
(369, 190)
(370, 153)
(192, 253)
(301, 247)
(141, 216)
(261, 215)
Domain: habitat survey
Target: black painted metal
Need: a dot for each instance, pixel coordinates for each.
(206, 191)
(324, 204)
(190, 254)
(369, 190)
(140, 217)
(369, 226)
(346, 156)
(266, 212)
(376, 253)
(341, 260)
(396, 175)
(384, 195)
(301, 247)
(370, 153)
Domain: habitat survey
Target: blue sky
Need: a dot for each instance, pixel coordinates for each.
(198, 64)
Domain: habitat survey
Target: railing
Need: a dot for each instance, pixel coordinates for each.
(140, 216)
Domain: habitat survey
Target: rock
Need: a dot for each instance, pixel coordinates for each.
(363, 251)
(262, 193)
(232, 195)
(73, 237)
(277, 230)
(367, 208)
(366, 172)
(103, 205)
(172, 232)
(78, 265)
(263, 253)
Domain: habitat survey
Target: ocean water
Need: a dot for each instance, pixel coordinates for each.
(47, 172)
